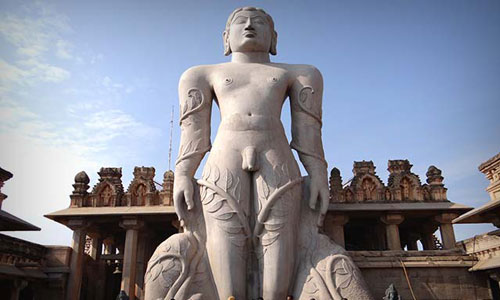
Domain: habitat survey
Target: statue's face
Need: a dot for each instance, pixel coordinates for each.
(250, 32)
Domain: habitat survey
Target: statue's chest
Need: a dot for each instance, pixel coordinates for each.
(265, 82)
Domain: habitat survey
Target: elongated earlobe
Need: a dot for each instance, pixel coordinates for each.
(274, 42)
(227, 47)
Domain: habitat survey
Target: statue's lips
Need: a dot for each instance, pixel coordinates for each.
(249, 34)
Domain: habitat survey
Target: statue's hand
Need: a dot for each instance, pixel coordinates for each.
(319, 190)
(183, 195)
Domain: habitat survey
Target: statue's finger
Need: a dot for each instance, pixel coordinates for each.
(179, 210)
(188, 196)
(321, 220)
(313, 197)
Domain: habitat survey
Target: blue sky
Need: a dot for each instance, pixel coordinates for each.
(85, 84)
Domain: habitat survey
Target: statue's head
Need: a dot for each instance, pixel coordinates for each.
(249, 29)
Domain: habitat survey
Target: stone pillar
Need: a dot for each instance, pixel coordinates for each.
(392, 221)
(446, 229)
(334, 227)
(96, 247)
(76, 263)
(142, 261)
(109, 245)
(16, 288)
(427, 233)
(132, 225)
(412, 241)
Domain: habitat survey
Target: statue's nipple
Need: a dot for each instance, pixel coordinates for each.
(249, 162)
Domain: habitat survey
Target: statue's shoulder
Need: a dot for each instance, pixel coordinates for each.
(196, 72)
(300, 71)
(202, 72)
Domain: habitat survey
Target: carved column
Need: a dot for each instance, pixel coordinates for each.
(392, 230)
(132, 226)
(446, 229)
(334, 227)
(76, 264)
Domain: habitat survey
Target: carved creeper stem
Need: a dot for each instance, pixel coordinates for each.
(232, 203)
(270, 202)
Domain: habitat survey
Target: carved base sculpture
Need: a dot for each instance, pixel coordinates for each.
(251, 222)
(179, 267)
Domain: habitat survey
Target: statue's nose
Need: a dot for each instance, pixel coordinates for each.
(248, 24)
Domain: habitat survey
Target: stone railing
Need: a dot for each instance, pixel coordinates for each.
(14, 251)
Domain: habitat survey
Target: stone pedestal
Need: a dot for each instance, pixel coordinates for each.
(392, 230)
(446, 229)
(130, 255)
(334, 227)
(76, 268)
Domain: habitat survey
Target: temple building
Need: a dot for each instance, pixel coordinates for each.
(388, 229)
(115, 231)
(486, 247)
(29, 270)
(366, 214)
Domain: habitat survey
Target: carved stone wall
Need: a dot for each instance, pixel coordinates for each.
(109, 192)
(142, 190)
(491, 168)
(403, 185)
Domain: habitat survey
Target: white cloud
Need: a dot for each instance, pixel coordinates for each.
(87, 135)
(10, 73)
(39, 71)
(34, 36)
(64, 49)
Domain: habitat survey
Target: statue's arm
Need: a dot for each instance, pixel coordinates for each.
(195, 97)
(305, 98)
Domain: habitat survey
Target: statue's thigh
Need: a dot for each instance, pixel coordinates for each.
(225, 189)
(225, 194)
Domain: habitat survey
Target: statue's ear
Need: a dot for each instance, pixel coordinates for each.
(225, 38)
(274, 42)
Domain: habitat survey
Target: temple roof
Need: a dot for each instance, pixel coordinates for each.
(117, 210)
(416, 209)
(489, 162)
(10, 222)
(62, 216)
(5, 175)
(483, 214)
(487, 264)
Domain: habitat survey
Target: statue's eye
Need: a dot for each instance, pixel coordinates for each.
(240, 20)
(258, 20)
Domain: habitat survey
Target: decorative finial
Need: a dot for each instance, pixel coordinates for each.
(81, 184)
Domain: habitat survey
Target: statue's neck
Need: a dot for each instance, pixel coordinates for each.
(250, 57)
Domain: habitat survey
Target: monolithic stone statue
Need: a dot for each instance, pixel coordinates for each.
(251, 223)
